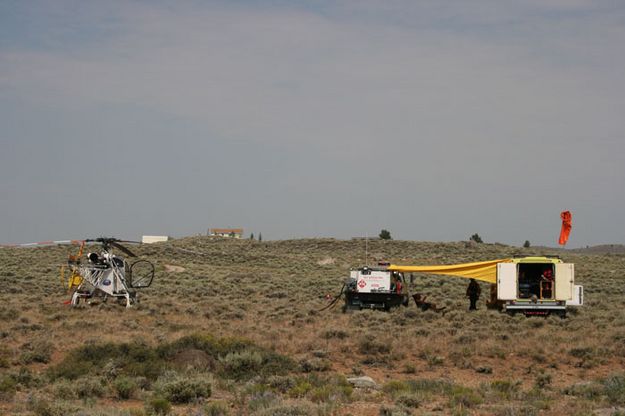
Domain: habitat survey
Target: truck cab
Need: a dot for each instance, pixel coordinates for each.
(537, 286)
(375, 288)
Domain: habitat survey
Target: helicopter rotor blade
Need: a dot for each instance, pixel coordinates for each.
(122, 248)
(128, 241)
(44, 243)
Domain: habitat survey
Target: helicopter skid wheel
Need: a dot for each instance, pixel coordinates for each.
(129, 301)
(75, 300)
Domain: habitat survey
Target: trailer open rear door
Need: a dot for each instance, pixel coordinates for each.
(506, 281)
(564, 281)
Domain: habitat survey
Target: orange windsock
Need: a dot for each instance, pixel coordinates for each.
(566, 227)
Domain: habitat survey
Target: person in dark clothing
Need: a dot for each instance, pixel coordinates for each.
(473, 293)
(546, 284)
(424, 305)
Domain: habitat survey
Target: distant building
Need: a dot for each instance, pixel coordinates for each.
(149, 239)
(226, 232)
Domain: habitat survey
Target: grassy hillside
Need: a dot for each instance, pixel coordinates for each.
(233, 327)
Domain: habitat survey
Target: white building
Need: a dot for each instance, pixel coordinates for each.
(226, 232)
(149, 239)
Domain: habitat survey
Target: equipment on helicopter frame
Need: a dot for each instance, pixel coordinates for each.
(106, 274)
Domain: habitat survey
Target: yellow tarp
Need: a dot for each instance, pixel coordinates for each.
(483, 270)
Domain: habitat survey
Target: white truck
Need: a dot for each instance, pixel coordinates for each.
(375, 288)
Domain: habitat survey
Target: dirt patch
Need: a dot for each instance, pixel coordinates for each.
(174, 269)
(326, 262)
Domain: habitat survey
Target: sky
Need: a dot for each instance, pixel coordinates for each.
(431, 119)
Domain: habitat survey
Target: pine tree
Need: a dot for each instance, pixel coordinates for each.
(526, 244)
(260, 237)
(385, 235)
(476, 237)
(252, 236)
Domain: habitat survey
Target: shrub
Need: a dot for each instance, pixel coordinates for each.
(590, 391)
(335, 333)
(217, 408)
(281, 383)
(262, 400)
(157, 406)
(409, 400)
(125, 387)
(321, 394)
(582, 352)
(410, 368)
(394, 411)
(464, 397)
(300, 389)
(134, 359)
(214, 347)
(238, 359)
(183, 390)
(288, 410)
(372, 346)
(417, 388)
(87, 387)
(27, 379)
(39, 352)
(510, 410)
(65, 390)
(504, 389)
(614, 389)
(8, 386)
(315, 364)
(241, 365)
(321, 388)
(396, 387)
(430, 386)
(543, 380)
(43, 407)
(5, 357)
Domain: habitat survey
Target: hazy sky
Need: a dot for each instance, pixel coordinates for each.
(432, 119)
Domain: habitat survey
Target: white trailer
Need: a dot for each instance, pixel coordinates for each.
(538, 286)
(530, 285)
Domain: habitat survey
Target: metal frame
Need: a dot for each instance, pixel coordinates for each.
(104, 276)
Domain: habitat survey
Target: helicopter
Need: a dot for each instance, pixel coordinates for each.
(105, 274)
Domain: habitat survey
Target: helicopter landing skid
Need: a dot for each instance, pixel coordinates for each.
(78, 295)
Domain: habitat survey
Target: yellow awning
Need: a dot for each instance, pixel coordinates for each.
(483, 270)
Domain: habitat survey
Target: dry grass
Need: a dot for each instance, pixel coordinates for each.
(234, 329)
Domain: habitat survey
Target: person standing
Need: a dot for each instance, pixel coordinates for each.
(473, 293)
(546, 284)
(396, 286)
